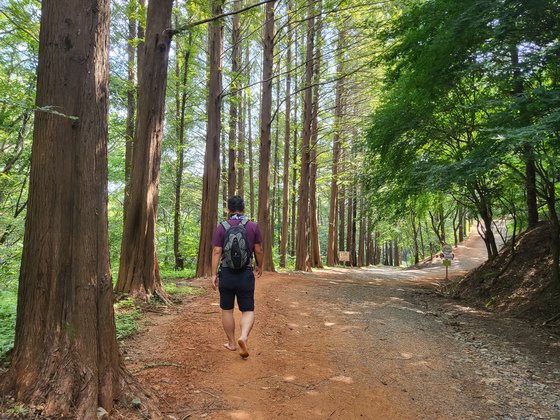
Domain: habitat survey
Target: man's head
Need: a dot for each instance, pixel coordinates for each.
(236, 204)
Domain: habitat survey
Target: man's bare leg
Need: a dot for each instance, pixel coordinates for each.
(228, 323)
(247, 320)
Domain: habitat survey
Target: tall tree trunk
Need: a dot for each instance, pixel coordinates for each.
(461, 221)
(294, 174)
(527, 151)
(264, 150)
(302, 250)
(181, 107)
(211, 176)
(130, 98)
(315, 251)
(361, 237)
(139, 271)
(287, 128)
(554, 232)
(234, 99)
(350, 224)
(224, 176)
(251, 166)
(332, 248)
(275, 171)
(65, 355)
(342, 216)
(353, 248)
(294, 157)
(241, 148)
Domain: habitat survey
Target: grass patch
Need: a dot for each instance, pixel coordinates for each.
(127, 315)
(173, 289)
(187, 273)
(8, 304)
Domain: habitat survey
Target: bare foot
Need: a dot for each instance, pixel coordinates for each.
(243, 350)
(230, 346)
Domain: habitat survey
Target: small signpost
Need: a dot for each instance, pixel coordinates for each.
(447, 251)
(344, 256)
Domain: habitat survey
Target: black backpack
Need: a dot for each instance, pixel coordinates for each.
(235, 248)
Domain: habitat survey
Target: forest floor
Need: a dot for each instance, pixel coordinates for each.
(350, 343)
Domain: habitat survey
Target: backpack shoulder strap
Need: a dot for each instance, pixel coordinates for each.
(244, 221)
(226, 225)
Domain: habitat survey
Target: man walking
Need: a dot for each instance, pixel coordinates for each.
(233, 244)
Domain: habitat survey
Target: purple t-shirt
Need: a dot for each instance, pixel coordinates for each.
(252, 229)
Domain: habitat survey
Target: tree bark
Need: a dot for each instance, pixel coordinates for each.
(332, 244)
(130, 98)
(342, 214)
(251, 166)
(287, 128)
(65, 355)
(139, 271)
(234, 99)
(294, 159)
(181, 107)
(315, 251)
(264, 150)
(211, 176)
(302, 249)
(241, 148)
(275, 171)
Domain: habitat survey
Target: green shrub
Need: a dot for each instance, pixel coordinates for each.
(8, 304)
(127, 315)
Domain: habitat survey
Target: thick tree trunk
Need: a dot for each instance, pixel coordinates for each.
(315, 250)
(302, 249)
(461, 221)
(139, 271)
(224, 176)
(350, 224)
(65, 355)
(287, 128)
(234, 99)
(531, 188)
(292, 245)
(130, 100)
(295, 186)
(354, 242)
(251, 166)
(554, 233)
(181, 107)
(276, 163)
(264, 150)
(332, 244)
(361, 238)
(241, 149)
(342, 216)
(211, 176)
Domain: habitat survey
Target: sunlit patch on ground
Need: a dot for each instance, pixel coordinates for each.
(344, 379)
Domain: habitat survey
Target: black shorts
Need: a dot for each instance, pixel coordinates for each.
(237, 283)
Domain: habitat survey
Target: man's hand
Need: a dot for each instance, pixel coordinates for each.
(258, 271)
(215, 281)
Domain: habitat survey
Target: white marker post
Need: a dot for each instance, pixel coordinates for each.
(447, 251)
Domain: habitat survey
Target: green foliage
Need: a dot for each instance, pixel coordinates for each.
(8, 304)
(127, 315)
(187, 273)
(175, 289)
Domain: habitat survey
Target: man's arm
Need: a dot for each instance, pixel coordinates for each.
(259, 254)
(216, 255)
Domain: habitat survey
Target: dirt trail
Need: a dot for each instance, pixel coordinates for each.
(348, 344)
